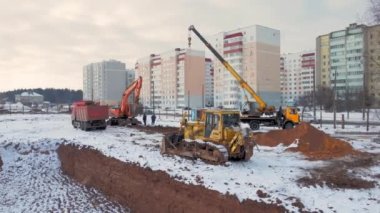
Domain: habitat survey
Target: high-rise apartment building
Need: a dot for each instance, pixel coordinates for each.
(322, 64)
(173, 79)
(254, 52)
(106, 81)
(297, 76)
(348, 60)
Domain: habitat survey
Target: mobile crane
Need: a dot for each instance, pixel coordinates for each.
(124, 114)
(285, 118)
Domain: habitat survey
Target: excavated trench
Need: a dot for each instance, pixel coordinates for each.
(144, 190)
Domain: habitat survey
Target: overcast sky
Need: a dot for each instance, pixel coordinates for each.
(45, 43)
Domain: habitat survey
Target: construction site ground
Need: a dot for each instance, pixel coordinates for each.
(49, 166)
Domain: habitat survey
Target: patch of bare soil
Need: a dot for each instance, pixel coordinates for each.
(144, 190)
(166, 130)
(313, 143)
(341, 174)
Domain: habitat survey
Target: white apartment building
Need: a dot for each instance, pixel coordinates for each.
(254, 52)
(346, 52)
(297, 76)
(209, 83)
(106, 81)
(173, 79)
(348, 60)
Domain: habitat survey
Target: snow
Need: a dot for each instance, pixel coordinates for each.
(271, 169)
(16, 107)
(374, 115)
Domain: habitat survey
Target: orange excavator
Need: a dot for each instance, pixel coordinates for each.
(125, 113)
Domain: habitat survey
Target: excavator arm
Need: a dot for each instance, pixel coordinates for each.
(125, 110)
(262, 105)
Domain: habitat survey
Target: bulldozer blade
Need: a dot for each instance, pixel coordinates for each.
(193, 150)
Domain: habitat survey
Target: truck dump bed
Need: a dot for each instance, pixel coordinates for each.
(90, 112)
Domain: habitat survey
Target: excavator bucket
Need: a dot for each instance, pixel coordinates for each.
(208, 152)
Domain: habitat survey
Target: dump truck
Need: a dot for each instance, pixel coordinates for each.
(88, 115)
(263, 114)
(214, 138)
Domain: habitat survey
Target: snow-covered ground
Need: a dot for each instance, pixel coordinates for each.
(271, 170)
(31, 179)
(374, 115)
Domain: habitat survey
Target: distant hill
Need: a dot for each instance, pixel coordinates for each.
(58, 96)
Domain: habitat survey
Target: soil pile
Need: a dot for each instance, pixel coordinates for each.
(308, 140)
(144, 190)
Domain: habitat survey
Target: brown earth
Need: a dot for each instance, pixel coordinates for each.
(155, 129)
(144, 190)
(341, 174)
(313, 143)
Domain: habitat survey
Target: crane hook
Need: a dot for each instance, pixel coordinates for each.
(189, 39)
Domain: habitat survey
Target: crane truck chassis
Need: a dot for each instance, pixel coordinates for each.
(283, 121)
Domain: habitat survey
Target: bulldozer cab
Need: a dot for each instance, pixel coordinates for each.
(212, 123)
(216, 121)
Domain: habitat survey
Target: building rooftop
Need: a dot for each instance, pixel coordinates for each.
(30, 94)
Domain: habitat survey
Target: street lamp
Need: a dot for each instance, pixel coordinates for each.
(334, 106)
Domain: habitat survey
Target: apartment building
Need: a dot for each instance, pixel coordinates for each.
(297, 76)
(373, 63)
(173, 79)
(348, 60)
(254, 52)
(106, 81)
(322, 64)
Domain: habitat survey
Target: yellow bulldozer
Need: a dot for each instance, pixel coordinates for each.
(215, 137)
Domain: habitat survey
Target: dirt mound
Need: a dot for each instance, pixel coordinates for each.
(144, 190)
(311, 142)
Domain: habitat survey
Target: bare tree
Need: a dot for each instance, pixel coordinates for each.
(325, 97)
(374, 10)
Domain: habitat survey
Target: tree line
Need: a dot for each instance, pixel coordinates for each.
(57, 96)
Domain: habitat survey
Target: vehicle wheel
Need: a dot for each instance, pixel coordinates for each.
(255, 125)
(86, 126)
(288, 125)
(74, 124)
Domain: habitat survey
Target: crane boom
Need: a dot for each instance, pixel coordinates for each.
(262, 105)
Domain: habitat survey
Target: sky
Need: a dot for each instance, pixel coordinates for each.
(46, 43)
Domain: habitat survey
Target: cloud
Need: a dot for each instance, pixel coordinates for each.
(46, 43)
